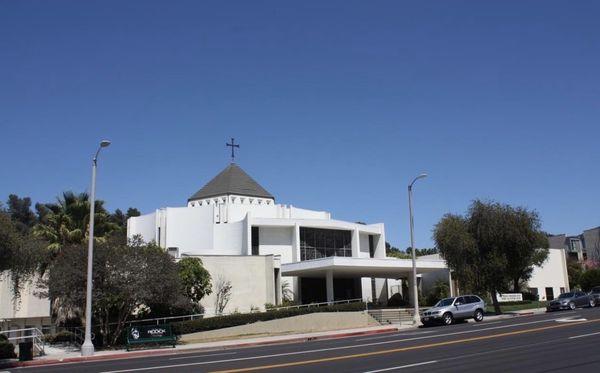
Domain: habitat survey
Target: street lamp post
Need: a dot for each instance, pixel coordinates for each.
(87, 349)
(415, 289)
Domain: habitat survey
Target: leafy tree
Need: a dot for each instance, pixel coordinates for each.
(492, 246)
(574, 271)
(20, 254)
(20, 211)
(66, 222)
(132, 211)
(440, 290)
(127, 276)
(394, 252)
(421, 252)
(195, 279)
(590, 279)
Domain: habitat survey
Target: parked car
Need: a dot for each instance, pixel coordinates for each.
(570, 301)
(448, 310)
(595, 295)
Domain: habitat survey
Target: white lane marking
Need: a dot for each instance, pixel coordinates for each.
(393, 335)
(323, 349)
(584, 335)
(486, 323)
(196, 356)
(571, 319)
(402, 366)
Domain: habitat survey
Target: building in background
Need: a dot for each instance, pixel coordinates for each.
(580, 247)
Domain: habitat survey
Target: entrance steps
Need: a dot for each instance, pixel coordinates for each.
(402, 316)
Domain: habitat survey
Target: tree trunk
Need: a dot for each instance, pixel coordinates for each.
(516, 285)
(497, 309)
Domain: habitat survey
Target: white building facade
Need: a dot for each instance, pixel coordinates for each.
(232, 221)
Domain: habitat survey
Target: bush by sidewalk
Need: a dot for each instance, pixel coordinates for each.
(7, 349)
(60, 337)
(218, 322)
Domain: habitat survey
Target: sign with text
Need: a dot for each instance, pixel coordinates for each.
(509, 297)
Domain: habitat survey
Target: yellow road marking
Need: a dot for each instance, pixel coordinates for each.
(402, 349)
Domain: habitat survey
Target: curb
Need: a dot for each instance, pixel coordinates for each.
(154, 352)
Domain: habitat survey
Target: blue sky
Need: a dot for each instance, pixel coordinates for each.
(337, 105)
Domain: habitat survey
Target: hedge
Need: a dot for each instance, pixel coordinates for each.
(7, 350)
(60, 337)
(218, 322)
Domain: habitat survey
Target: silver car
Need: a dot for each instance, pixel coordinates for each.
(447, 310)
(570, 301)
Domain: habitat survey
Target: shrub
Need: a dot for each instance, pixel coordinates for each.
(60, 337)
(515, 303)
(218, 322)
(531, 297)
(7, 350)
(396, 300)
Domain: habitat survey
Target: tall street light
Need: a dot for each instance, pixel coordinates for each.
(414, 255)
(87, 349)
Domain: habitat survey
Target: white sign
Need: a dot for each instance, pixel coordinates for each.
(509, 297)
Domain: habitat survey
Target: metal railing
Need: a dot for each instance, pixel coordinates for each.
(163, 320)
(345, 301)
(34, 334)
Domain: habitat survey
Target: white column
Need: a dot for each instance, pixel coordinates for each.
(355, 243)
(450, 282)
(329, 284)
(296, 243)
(410, 291)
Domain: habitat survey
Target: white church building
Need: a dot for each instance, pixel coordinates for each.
(243, 236)
(259, 247)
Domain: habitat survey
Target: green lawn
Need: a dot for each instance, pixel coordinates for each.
(518, 307)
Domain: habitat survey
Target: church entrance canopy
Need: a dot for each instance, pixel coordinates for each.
(350, 267)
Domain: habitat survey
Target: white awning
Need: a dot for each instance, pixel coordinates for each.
(360, 267)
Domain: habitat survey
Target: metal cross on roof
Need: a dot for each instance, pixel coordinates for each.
(233, 145)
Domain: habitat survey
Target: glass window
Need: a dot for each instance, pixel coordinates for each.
(320, 243)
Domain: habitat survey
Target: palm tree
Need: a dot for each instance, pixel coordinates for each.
(67, 221)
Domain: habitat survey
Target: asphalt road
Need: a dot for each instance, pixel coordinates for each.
(561, 341)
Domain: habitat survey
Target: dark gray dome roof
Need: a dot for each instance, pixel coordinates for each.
(232, 180)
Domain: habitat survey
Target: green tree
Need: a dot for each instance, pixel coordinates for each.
(127, 277)
(195, 279)
(20, 254)
(132, 211)
(67, 221)
(493, 246)
(574, 271)
(590, 279)
(20, 212)
(394, 252)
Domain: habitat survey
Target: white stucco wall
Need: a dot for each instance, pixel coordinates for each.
(144, 225)
(29, 311)
(252, 280)
(553, 273)
(189, 229)
(279, 241)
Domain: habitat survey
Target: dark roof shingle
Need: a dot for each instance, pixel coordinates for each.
(232, 180)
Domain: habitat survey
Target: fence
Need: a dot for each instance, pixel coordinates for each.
(165, 320)
(28, 334)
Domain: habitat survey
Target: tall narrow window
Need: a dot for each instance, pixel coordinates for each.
(371, 247)
(255, 239)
